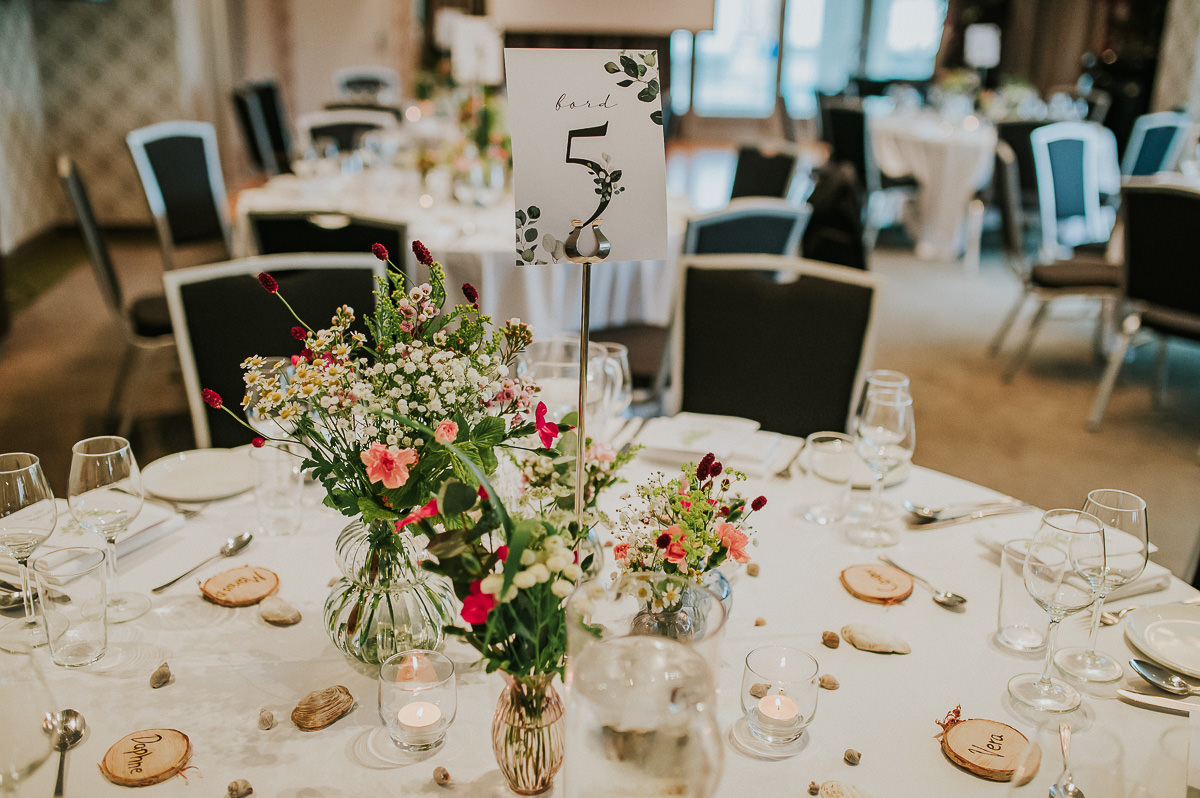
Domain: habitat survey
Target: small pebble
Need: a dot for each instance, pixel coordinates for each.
(831, 639)
(851, 756)
(752, 569)
(813, 788)
(760, 621)
(334, 581)
(266, 719)
(608, 544)
(829, 682)
(441, 776)
(161, 675)
(239, 789)
(760, 689)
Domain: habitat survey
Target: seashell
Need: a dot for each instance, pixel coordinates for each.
(852, 757)
(836, 789)
(239, 789)
(441, 776)
(760, 689)
(752, 569)
(830, 639)
(829, 682)
(322, 708)
(760, 621)
(266, 719)
(161, 675)
(278, 612)
(871, 638)
(813, 788)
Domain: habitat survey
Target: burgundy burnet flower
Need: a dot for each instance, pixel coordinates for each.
(268, 283)
(299, 333)
(422, 253)
(663, 541)
(258, 443)
(211, 398)
(379, 251)
(758, 503)
(703, 469)
(471, 294)
(716, 469)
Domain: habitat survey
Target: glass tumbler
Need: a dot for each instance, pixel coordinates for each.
(418, 698)
(779, 693)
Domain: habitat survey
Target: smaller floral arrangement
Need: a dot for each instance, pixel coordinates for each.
(687, 525)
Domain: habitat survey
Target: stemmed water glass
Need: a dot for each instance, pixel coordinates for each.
(27, 517)
(24, 739)
(1060, 576)
(1126, 546)
(105, 495)
(886, 439)
(876, 378)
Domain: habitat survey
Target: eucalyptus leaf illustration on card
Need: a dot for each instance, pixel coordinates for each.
(587, 139)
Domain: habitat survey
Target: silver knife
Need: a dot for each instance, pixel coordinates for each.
(1158, 702)
(984, 513)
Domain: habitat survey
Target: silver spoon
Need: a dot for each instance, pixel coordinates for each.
(924, 513)
(231, 547)
(1164, 679)
(66, 729)
(951, 601)
(1065, 786)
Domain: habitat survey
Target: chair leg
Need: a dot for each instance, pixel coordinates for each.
(1160, 373)
(1022, 352)
(1002, 333)
(1115, 358)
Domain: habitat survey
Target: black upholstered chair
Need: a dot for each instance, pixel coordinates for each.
(221, 315)
(748, 225)
(144, 320)
(1161, 279)
(1016, 134)
(1083, 275)
(1067, 167)
(264, 126)
(763, 172)
(376, 84)
(802, 333)
(344, 127)
(1155, 143)
(326, 232)
(180, 170)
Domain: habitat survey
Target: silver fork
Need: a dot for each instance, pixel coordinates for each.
(786, 471)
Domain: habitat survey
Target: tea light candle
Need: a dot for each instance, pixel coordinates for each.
(778, 717)
(419, 723)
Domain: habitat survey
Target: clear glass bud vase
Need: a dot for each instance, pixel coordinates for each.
(528, 733)
(385, 602)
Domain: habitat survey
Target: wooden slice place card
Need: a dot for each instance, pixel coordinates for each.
(987, 748)
(240, 587)
(876, 582)
(146, 757)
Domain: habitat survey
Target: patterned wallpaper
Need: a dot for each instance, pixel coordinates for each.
(26, 177)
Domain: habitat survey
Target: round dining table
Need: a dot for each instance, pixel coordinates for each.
(228, 664)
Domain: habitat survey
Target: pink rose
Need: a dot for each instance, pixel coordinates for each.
(620, 550)
(675, 552)
(389, 466)
(446, 432)
(477, 605)
(734, 540)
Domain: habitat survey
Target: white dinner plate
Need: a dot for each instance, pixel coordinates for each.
(199, 475)
(1168, 634)
(692, 435)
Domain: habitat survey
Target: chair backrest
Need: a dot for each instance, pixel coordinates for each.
(804, 337)
(1155, 143)
(850, 144)
(1016, 134)
(746, 225)
(1160, 262)
(763, 172)
(376, 83)
(221, 316)
(345, 126)
(180, 170)
(102, 265)
(834, 233)
(275, 233)
(1067, 165)
(261, 117)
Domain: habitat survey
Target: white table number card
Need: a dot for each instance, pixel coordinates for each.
(587, 142)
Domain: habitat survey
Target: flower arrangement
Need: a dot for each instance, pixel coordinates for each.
(689, 524)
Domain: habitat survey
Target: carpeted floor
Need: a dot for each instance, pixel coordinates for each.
(1026, 438)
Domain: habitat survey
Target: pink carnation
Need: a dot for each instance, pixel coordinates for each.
(389, 466)
(446, 432)
(675, 552)
(734, 540)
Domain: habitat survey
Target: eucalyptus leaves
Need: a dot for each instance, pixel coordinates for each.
(644, 73)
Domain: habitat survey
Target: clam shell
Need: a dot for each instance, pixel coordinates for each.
(835, 789)
(161, 675)
(872, 638)
(322, 708)
(278, 612)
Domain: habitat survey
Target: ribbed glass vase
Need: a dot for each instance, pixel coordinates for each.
(528, 733)
(385, 602)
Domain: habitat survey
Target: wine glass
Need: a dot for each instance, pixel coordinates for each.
(876, 378)
(1126, 546)
(105, 495)
(1059, 573)
(24, 736)
(886, 438)
(27, 517)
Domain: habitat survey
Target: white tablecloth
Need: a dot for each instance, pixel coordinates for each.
(228, 664)
(476, 245)
(950, 161)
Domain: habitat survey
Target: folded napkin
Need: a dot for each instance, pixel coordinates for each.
(154, 521)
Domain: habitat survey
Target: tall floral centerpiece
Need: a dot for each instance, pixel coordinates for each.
(375, 414)
(689, 524)
(514, 555)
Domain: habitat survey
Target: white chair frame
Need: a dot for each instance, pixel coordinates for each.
(384, 120)
(1147, 122)
(744, 207)
(173, 281)
(788, 270)
(137, 141)
(1097, 223)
